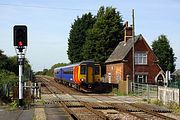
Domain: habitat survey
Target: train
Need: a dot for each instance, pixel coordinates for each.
(83, 76)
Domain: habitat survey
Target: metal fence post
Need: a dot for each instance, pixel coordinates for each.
(148, 94)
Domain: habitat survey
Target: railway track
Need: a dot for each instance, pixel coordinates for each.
(77, 109)
(93, 107)
(141, 110)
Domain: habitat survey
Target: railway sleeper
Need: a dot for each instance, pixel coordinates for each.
(103, 107)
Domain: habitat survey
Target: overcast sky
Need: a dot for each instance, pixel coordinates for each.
(49, 23)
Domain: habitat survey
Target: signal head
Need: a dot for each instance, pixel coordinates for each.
(20, 35)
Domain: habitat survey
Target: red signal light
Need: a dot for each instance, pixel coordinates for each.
(20, 43)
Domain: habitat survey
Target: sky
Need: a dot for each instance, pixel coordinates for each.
(49, 23)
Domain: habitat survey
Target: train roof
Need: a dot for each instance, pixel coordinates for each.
(76, 64)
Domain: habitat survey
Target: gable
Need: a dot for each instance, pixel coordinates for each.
(141, 45)
(122, 50)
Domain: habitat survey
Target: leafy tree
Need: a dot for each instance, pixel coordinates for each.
(77, 36)
(7, 77)
(3, 60)
(50, 71)
(10, 64)
(89, 48)
(164, 52)
(58, 65)
(104, 36)
(27, 69)
(13, 65)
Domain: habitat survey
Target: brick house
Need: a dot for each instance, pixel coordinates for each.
(119, 66)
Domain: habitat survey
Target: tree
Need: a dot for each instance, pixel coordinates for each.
(164, 53)
(13, 66)
(7, 77)
(104, 36)
(51, 71)
(77, 37)
(10, 64)
(3, 60)
(58, 65)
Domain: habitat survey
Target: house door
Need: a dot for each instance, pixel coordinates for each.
(160, 80)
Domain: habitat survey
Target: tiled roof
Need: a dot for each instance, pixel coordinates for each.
(122, 50)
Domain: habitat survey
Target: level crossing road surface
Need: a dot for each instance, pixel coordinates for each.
(17, 114)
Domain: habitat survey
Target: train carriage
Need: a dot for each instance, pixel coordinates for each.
(85, 76)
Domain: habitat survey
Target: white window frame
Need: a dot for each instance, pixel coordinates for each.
(141, 76)
(141, 58)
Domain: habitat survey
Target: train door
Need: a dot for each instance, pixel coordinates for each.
(90, 74)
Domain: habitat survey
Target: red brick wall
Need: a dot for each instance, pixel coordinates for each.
(151, 68)
(115, 69)
(126, 68)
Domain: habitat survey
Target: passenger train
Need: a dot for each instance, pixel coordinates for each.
(84, 76)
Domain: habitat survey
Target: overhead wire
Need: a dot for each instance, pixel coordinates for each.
(45, 7)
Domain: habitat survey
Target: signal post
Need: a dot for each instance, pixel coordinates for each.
(20, 44)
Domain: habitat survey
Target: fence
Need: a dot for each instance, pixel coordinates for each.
(145, 91)
(167, 94)
(164, 94)
(30, 91)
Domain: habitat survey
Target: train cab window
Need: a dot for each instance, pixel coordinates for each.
(96, 70)
(83, 69)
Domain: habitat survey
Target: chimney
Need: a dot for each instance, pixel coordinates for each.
(127, 32)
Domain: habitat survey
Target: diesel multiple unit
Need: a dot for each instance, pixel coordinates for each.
(85, 76)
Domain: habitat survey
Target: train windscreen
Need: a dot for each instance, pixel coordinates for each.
(97, 70)
(83, 69)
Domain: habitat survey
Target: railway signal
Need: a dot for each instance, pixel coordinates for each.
(20, 44)
(20, 37)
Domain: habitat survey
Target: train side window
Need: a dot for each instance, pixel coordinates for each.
(68, 72)
(83, 69)
(96, 70)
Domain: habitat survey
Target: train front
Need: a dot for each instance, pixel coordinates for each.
(90, 78)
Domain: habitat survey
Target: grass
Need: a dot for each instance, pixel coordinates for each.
(115, 91)
(156, 102)
(13, 105)
(173, 106)
(170, 105)
(40, 101)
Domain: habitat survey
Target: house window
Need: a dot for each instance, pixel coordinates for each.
(118, 77)
(141, 58)
(141, 78)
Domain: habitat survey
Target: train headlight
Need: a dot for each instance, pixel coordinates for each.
(90, 86)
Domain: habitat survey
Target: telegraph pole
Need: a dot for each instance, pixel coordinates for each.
(20, 45)
(133, 34)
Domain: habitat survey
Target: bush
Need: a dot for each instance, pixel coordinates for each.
(156, 102)
(173, 106)
(117, 92)
(13, 105)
